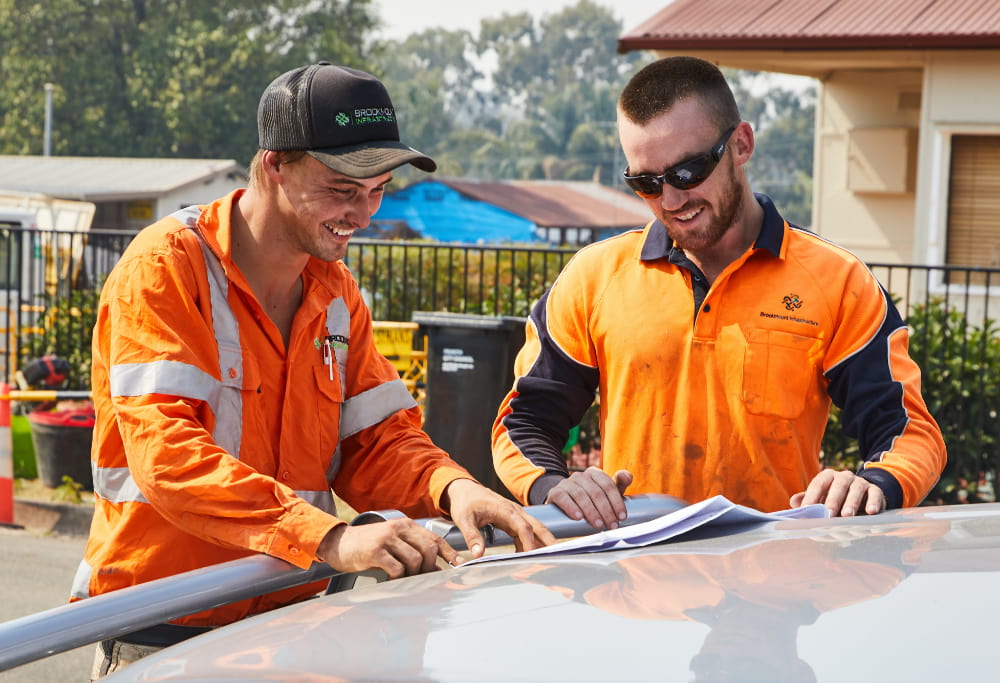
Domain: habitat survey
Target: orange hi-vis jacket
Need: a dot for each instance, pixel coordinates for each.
(720, 390)
(213, 441)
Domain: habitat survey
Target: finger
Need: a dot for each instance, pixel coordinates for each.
(876, 502)
(843, 497)
(410, 556)
(603, 497)
(542, 533)
(854, 497)
(622, 479)
(528, 533)
(561, 499)
(817, 489)
(796, 500)
(582, 499)
(474, 540)
(442, 550)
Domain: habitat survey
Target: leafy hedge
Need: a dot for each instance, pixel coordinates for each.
(960, 365)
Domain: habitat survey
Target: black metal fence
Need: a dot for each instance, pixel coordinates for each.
(49, 282)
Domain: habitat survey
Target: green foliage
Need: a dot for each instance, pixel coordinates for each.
(68, 491)
(783, 121)
(159, 79)
(64, 328)
(960, 369)
(546, 111)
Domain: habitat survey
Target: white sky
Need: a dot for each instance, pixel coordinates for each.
(403, 17)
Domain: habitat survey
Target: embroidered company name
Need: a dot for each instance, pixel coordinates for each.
(792, 318)
(375, 115)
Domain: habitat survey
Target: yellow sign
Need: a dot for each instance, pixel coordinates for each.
(140, 211)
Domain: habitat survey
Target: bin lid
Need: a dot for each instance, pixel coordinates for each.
(467, 320)
(77, 417)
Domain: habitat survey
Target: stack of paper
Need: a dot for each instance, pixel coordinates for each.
(714, 512)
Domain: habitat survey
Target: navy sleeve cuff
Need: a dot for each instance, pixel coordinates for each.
(885, 481)
(540, 489)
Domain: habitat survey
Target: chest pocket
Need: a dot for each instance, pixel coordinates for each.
(779, 371)
(329, 404)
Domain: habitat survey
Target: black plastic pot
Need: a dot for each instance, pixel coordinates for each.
(62, 442)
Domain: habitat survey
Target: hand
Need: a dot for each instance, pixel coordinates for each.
(399, 547)
(593, 495)
(472, 506)
(844, 493)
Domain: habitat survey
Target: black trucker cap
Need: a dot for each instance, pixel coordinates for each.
(341, 116)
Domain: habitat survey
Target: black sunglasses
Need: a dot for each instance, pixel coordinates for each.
(684, 176)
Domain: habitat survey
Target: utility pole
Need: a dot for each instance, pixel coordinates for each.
(48, 119)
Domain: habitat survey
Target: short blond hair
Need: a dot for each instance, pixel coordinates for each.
(257, 164)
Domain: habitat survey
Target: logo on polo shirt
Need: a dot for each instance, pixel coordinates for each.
(792, 302)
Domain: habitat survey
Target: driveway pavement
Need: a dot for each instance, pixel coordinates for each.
(36, 570)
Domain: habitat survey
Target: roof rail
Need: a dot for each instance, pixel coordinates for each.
(115, 614)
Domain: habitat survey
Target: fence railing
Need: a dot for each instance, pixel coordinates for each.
(49, 281)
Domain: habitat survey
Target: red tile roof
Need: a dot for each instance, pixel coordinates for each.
(558, 203)
(818, 25)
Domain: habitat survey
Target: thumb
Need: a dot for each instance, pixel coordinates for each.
(623, 479)
(473, 540)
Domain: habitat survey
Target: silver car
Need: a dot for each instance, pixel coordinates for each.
(908, 595)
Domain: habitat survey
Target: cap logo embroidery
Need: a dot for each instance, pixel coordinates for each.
(375, 115)
(342, 119)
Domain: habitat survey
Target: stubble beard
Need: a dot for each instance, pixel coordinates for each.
(722, 219)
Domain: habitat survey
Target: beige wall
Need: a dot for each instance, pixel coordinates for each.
(865, 163)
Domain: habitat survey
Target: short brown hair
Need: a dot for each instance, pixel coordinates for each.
(660, 85)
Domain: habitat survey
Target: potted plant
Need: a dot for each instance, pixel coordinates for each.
(57, 355)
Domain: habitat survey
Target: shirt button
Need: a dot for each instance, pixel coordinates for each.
(293, 550)
(232, 373)
(285, 476)
(706, 308)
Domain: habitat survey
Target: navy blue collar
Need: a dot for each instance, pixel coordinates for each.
(658, 244)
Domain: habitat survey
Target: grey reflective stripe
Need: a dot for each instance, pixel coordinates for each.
(373, 406)
(116, 485)
(187, 216)
(164, 377)
(80, 587)
(321, 499)
(228, 410)
(338, 322)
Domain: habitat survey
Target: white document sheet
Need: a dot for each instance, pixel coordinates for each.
(717, 511)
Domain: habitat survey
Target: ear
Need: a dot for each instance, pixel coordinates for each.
(270, 162)
(742, 143)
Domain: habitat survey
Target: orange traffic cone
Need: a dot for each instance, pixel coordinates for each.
(6, 459)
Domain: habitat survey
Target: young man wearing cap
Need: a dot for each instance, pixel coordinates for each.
(236, 380)
(717, 337)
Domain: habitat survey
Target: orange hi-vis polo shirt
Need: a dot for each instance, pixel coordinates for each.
(213, 441)
(721, 390)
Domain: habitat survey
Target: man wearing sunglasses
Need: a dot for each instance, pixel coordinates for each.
(717, 338)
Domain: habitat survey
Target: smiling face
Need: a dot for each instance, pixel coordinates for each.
(699, 218)
(322, 208)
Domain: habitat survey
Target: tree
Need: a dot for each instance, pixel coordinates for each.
(177, 78)
(545, 110)
(783, 123)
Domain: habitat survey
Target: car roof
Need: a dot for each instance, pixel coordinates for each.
(905, 595)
